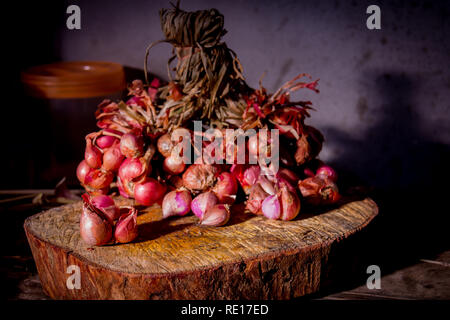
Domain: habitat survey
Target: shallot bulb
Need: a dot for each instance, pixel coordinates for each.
(131, 146)
(95, 229)
(285, 205)
(112, 157)
(202, 203)
(259, 145)
(106, 141)
(319, 190)
(130, 171)
(250, 176)
(106, 205)
(126, 228)
(216, 216)
(290, 204)
(177, 202)
(256, 198)
(174, 165)
(148, 191)
(246, 175)
(165, 145)
(271, 207)
(309, 145)
(200, 177)
(82, 171)
(327, 171)
(98, 179)
(330, 193)
(92, 155)
(226, 188)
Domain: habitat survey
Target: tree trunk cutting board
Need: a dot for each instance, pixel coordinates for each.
(249, 258)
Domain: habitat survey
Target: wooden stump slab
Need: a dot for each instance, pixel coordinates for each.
(250, 258)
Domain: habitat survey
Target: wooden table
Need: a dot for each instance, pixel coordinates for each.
(418, 278)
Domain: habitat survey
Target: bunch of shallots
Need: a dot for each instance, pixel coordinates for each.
(146, 148)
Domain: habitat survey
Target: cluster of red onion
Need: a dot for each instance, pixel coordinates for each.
(214, 189)
(279, 195)
(276, 194)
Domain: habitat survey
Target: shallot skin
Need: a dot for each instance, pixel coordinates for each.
(107, 205)
(99, 179)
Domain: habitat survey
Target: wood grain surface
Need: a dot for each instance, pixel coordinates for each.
(249, 258)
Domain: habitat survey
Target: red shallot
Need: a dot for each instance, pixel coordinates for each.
(105, 141)
(271, 207)
(177, 202)
(112, 157)
(165, 145)
(226, 188)
(98, 179)
(106, 205)
(95, 229)
(216, 216)
(126, 228)
(92, 155)
(131, 146)
(290, 204)
(319, 190)
(255, 199)
(148, 191)
(202, 203)
(200, 177)
(246, 175)
(174, 165)
(82, 170)
(327, 171)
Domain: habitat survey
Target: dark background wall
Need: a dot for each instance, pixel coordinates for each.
(384, 105)
(384, 101)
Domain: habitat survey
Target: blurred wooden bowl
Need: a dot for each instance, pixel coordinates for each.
(76, 79)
